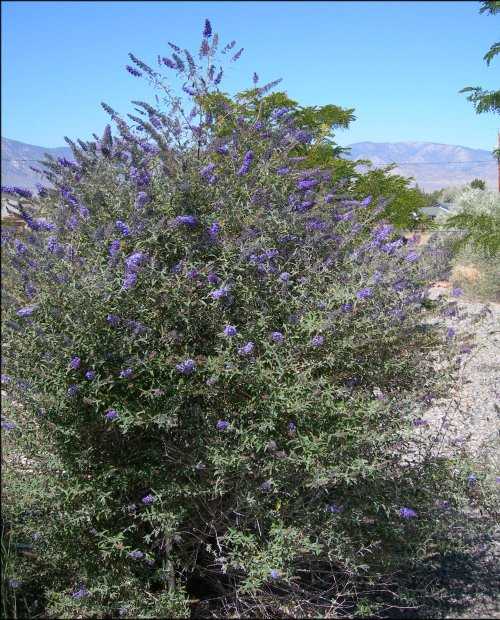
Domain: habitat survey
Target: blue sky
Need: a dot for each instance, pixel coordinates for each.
(399, 64)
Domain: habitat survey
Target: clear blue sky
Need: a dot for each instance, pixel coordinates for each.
(399, 64)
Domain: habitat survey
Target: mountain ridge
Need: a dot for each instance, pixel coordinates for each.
(432, 164)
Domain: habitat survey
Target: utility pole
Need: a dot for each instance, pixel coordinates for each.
(498, 159)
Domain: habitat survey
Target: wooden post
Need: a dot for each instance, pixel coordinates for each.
(498, 160)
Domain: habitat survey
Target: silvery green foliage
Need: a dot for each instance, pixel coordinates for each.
(250, 346)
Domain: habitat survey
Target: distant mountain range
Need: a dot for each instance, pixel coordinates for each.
(17, 157)
(433, 165)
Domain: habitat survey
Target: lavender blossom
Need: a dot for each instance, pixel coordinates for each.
(90, 375)
(247, 160)
(130, 280)
(317, 341)
(123, 228)
(141, 200)
(75, 363)
(306, 184)
(364, 293)
(284, 277)
(207, 30)
(73, 390)
(277, 337)
(111, 414)
(136, 555)
(147, 500)
(26, 311)
(82, 592)
(219, 293)
(222, 425)
(214, 230)
(407, 513)
(114, 248)
(113, 320)
(186, 220)
(133, 71)
(246, 349)
(135, 261)
(187, 367)
(230, 330)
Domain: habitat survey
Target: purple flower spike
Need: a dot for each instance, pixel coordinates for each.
(364, 293)
(126, 373)
(187, 367)
(123, 228)
(136, 555)
(222, 425)
(292, 427)
(246, 349)
(307, 184)
(457, 292)
(274, 574)
(90, 375)
(147, 500)
(186, 220)
(219, 293)
(450, 334)
(334, 508)
(245, 166)
(73, 390)
(75, 363)
(26, 311)
(113, 320)
(111, 414)
(81, 593)
(230, 330)
(130, 280)
(407, 513)
(317, 341)
(207, 30)
(277, 337)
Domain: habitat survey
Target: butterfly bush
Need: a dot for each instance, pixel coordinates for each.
(178, 254)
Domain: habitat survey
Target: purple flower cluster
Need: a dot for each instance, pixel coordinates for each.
(246, 349)
(247, 161)
(220, 293)
(277, 337)
(222, 425)
(364, 293)
(186, 367)
(407, 513)
(136, 555)
(186, 220)
(147, 500)
(123, 228)
(126, 373)
(75, 363)
(306, 184)
(111, 414)
(26, 311)
(317, 341)
(230, 330)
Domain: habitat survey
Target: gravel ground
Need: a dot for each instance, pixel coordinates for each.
(469, 417)
(470, 420)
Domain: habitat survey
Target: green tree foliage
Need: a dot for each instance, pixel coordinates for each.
(486, 100)
(478, 184)
(404, 202)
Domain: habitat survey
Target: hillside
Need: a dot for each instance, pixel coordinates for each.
(433, 165)
(17, 157)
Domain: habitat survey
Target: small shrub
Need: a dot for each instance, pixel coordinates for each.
(221, 352)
